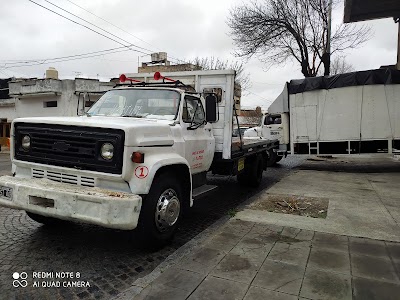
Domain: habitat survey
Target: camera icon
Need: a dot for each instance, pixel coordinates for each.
(20, 279)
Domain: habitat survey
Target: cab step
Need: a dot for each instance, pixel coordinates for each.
(203, 191)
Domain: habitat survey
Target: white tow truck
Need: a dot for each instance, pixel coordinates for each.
(138, 158)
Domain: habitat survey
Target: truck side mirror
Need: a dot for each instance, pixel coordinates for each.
(211, 108)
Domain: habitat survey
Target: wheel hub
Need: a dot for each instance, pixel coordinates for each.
(167, 210)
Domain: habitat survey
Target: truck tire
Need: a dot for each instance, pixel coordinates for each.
(44, 220)
(252, 173)
(161, 212)
(272, 158)
(278, 158)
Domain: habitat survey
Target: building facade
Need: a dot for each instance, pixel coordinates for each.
(47, 97)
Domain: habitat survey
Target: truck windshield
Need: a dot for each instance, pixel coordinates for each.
(139, 103)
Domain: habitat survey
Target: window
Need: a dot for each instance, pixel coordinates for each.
(193, 111)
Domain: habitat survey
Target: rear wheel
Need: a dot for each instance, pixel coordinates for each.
(161, 211)
(252, 173)
(44, 220)
(272, 158)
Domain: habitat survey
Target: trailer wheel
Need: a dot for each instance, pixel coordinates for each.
(252, 174)
(161, 211)
(44, 220)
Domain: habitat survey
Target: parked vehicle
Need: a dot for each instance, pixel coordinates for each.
(138, 159)
(239, 131)
(349, 113)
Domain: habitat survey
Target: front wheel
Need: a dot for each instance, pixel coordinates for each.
(161, 211)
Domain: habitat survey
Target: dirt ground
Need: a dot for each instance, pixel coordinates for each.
(294, 205)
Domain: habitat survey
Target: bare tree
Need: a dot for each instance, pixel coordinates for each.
(339, 65)
(280, 30)
(212, 63)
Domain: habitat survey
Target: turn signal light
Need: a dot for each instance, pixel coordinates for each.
(137, 157)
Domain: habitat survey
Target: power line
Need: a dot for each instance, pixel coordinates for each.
(256, 94)
(95, 25)
(62, 57)
(127, 46)
(73, 3)
(62, 60)
(111, 24)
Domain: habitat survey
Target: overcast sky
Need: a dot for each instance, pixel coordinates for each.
(184, 29)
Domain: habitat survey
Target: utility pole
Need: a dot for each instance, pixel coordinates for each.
(327, 54)
(398, 45)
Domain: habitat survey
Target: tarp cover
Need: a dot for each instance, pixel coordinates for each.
(380, 76)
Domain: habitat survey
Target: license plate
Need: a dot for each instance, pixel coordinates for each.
(6, 192)
(241, 164)
(274, 132)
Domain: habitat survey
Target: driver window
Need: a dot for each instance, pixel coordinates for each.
(193, 111)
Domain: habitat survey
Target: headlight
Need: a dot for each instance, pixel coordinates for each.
(26, 142)
(107, 151)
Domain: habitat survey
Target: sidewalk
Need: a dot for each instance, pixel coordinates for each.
(247, 260)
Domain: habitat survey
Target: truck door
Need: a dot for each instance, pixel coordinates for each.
(198, 136)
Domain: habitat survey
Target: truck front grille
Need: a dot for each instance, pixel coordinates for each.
(70, 146)
(64, 177)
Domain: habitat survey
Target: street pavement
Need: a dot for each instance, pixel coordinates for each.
(109, 260)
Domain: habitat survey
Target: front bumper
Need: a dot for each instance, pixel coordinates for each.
(71, 202)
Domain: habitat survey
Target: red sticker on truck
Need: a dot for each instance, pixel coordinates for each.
(141, 172)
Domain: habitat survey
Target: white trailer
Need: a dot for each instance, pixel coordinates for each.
(344, 114)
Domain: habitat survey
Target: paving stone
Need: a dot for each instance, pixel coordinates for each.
(330, 241)
(253, 251)
(224, 241)
(237, 268)
(298, 234)
(213, 288)
(289, 253)
(326, 285)
(256, 293)
(279, 276)
(266, 228)
(268, 237)
(367, 289)
(368, 247)
(177, 278)
(332, 261)
(394, 250)
(373, 267)
(160, 291)
(202, 261)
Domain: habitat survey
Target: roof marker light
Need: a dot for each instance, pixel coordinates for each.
(123, 78)
(158, 76)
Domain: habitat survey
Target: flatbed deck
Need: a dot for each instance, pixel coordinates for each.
(247, 145)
